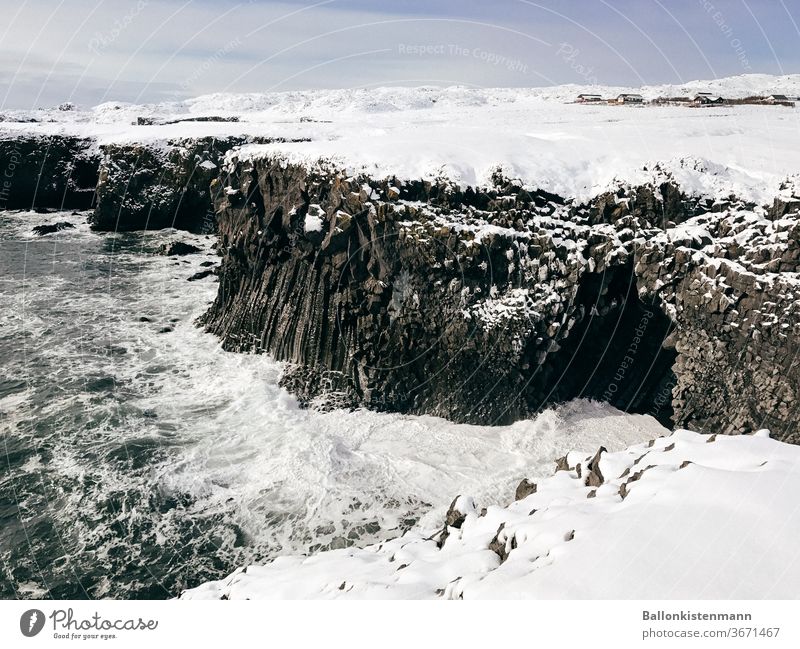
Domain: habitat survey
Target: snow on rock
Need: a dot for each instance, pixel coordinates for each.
(314, 219)
(685, 516)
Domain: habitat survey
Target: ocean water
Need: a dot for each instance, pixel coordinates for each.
(138, 458)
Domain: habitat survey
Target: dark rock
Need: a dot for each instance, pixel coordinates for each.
(49, 228)
(524, 489)
(149, 188)
(143, 187)
(499, 546)
(386, 308)
(594, 477)
(562, 464)
(623, 489)
(201, 274)
(178, 248)
(48, 172)
(454, 517)
(370, 311)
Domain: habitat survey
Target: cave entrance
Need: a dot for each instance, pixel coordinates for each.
(616, 352)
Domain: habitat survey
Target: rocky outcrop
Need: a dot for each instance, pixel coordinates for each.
(147, 187)
(730, 283)
(135, 186)
(178, 249)
(483, 306)
(50, 228)
(423, 298)
(55, 172)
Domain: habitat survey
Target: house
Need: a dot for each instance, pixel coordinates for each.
(778, 99)
(626, 98)
(706, 99)
(585, 98)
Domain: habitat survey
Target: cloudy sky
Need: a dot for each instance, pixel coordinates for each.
(90, 51)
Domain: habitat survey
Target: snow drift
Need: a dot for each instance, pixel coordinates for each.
(686, 516)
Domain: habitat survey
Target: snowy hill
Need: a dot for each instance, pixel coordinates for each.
(399, 98)
(686, 516)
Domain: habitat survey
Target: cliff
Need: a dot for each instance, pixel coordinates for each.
(126, 185)
(667, 288)
(57, 172)
(482, 305)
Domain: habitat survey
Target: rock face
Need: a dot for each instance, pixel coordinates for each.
(480, 305)
(143, 187)
(730, 283)
(128, 186)
(47, 172)
(484, 306)
(435, 301)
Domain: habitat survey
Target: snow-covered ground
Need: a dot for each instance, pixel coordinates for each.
(534, 134)
(687, 516)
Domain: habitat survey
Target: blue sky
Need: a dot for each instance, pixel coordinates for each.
(152, 50)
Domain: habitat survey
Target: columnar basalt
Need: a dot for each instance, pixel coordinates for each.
(483, 305)
(729, 281)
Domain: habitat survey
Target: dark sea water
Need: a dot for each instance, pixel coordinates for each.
(138, 458)
(80, 495)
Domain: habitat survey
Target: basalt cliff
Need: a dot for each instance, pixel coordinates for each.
(483, 305)
(478, 304)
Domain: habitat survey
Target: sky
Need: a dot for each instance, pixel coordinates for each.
(92, 51)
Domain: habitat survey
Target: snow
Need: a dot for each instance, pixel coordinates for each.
(536, 135)
(699, 517)
(314, 219)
